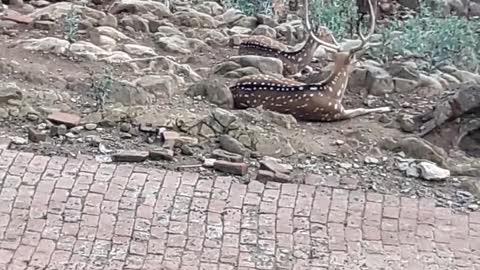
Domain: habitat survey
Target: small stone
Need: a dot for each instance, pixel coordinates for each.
(68, 119)
(186, 150)
(407, 124)
(473, 207)
(90, 126)
(125, 135)
(185, 140)
(238, 168)
(271, 165)
(70, 135)
(125, 127)
(94, 141)
(32, 117)
(339, 142)
(147, 128)
(130, 156)
(345, 165)
(42, 126)
(264, 176)
(76, 130)
(150, 139)
(384, 119)
(59, 130)
(161, 154)
(209, 162)
(225, 155)
(430, 171)
(19, 140)
(36, 135)
(231, 144)
(371, 160)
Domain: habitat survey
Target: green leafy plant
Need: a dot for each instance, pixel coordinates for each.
(337, 15)
(435, 40)
(101, 87)
(72, 21)
(251, 7)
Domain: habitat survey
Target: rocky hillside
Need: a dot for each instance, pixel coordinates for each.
(145, 81)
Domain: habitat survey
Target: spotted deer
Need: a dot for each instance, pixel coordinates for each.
(309, 102)
(293, 61)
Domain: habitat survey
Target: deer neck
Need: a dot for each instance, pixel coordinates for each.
(304, 55)
(337, 81)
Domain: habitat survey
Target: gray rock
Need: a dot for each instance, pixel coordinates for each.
(267, 20)
(404, 85)
(161, 154)
(130, 156)
(416, 148)
(430, 171)
(266, 65)
(162, 86)
(265, 30)
(195, 19)
(403, 71)
(18, 140)
(230, 144)
(225, 155)
(140, 7)
(274, 165)
(241, 72)
(214, 91)
(238, 30)
(46, 44)
(211, 8)
(247, 22)
(168, 31)
(284, 120)
(378, 81)
(179, 44)
(231, 16)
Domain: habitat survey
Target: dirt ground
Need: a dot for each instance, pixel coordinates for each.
(320, 147)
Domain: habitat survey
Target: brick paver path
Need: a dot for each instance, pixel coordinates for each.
(58, 213)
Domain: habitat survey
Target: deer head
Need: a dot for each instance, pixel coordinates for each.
(344, 57)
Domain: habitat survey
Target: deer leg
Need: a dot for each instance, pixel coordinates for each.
(351, 113)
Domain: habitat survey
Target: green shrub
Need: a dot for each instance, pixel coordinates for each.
(251, 7)
(71, 22)
(435, 40)
(337, 15)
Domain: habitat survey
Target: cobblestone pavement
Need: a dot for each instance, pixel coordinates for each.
(58, 213)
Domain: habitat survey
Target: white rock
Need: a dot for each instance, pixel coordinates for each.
(139, 50)
(87, 48)
(371, 160)
(430, 171)
(47, 44)
(19, 140)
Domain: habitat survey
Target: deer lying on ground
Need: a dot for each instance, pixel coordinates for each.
(294, 62)
(310, 102)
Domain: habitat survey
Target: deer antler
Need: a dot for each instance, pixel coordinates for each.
(364, 44)
(335, 47)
